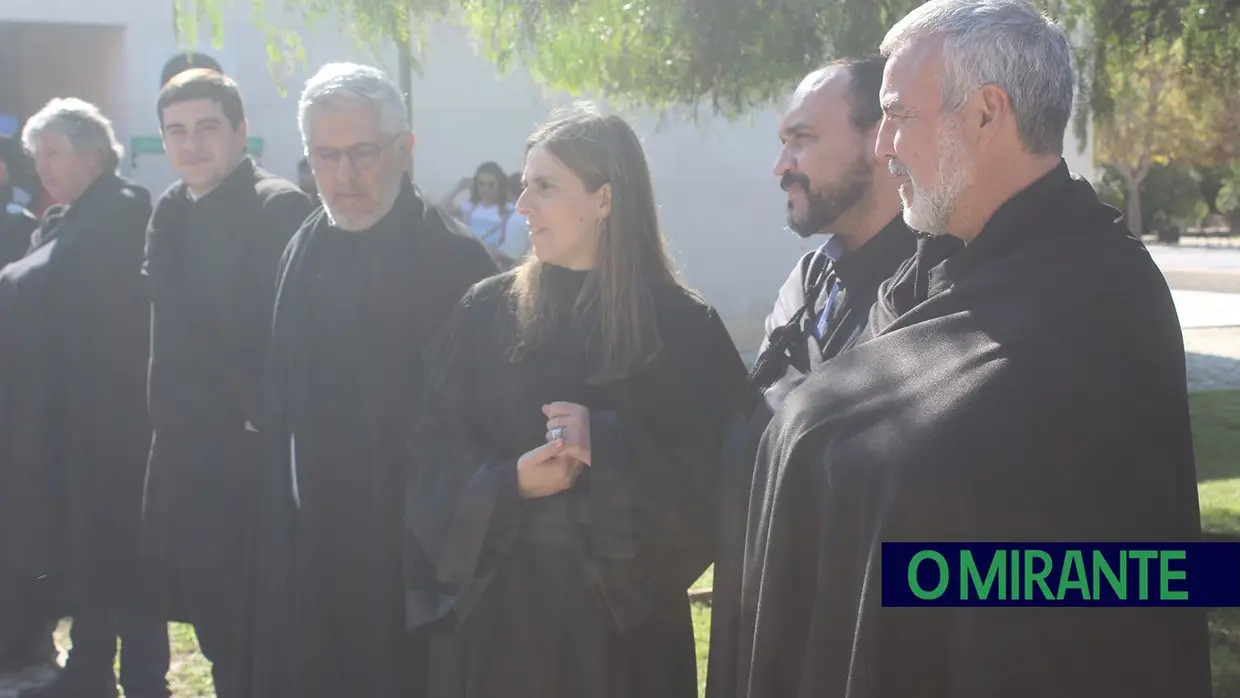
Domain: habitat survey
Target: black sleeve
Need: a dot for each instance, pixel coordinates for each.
(653, 490)
(168, 324)
(461, 501)
(451, 261)
(283, 215)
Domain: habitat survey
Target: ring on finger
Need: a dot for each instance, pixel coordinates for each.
(555, 434)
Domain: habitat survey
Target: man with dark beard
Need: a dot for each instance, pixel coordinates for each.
(363, 285)
(835, 187)
(838, 187)
(1027, 385)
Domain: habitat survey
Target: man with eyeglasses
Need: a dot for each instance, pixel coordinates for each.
(363, 285)
(213, 247)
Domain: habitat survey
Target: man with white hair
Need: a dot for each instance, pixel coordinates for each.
(73, 352)
(1026, 385)
(362, 286)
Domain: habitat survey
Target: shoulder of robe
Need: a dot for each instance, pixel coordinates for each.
(131, 209)
(441, 226)
(170, 193)
(138, 194)
(450, 248)
(684, 305)
(687, 321)
(134, 202)
(285, 207)
(273, 189)
(305, 230)
(490, 291)
(167, 204)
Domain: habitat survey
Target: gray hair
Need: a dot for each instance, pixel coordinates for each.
(336, 85)
(82, 124)
(1007, 43)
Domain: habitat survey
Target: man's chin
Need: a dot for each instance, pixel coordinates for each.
(801, 229)
(349, 222)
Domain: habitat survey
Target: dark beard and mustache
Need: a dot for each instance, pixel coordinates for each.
(825, 207)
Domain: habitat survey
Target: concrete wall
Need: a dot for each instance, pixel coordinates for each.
(718, 201)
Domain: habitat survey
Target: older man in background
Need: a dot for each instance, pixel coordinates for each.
(362, 286)
(73, 352)
(16, 221)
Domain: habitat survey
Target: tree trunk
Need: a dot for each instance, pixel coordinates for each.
(1132, 200)
(1210, 184)
(1135, 224)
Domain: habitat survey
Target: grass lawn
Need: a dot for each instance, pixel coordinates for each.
(1216, 437)
(1216, 440)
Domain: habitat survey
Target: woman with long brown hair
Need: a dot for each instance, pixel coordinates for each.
(564, 496)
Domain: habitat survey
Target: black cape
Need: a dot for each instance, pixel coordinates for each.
(793, 349)
(74, 324)
(352, 314)
(1028, 387)
(581, 594)
(16, 225)
(211, 266)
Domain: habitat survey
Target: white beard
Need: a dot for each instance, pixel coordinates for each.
(931, 209)
(359, 223)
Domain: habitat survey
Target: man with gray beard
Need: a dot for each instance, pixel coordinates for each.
(363, 285)
(837, 187)
(1021, 379)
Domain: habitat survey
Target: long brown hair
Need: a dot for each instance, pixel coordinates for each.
(616, 301)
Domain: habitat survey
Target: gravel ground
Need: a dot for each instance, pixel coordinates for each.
(1213, 358)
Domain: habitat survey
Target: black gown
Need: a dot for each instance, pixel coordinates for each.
(211, 266)
(581, 594)
(352, 314)
(74, 431)
(792, 351)
(1027, 387)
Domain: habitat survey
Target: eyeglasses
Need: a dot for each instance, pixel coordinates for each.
(362, 156)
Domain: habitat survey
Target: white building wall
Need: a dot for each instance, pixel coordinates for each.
(718, 201)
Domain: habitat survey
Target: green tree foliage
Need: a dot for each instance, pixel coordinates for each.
(732, 55)
(1165, 114)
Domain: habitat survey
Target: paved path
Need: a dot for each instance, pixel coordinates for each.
(1205, 285)
(1194, 258)
(1201, 309)
(1213, 358)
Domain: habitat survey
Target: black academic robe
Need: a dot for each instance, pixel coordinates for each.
(211, 266)
(793, 350)
(581, 594)
(16, 225)
(73, 422)
(1029, 387)
(352, 313)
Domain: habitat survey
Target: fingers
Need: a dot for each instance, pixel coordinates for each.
(561, 409)
(576, 452)
(546, 451)
(569, 467)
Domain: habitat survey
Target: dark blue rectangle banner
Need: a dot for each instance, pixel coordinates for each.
(1061, 574)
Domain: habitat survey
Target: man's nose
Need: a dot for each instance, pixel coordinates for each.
(884, 144)
(785, 164)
